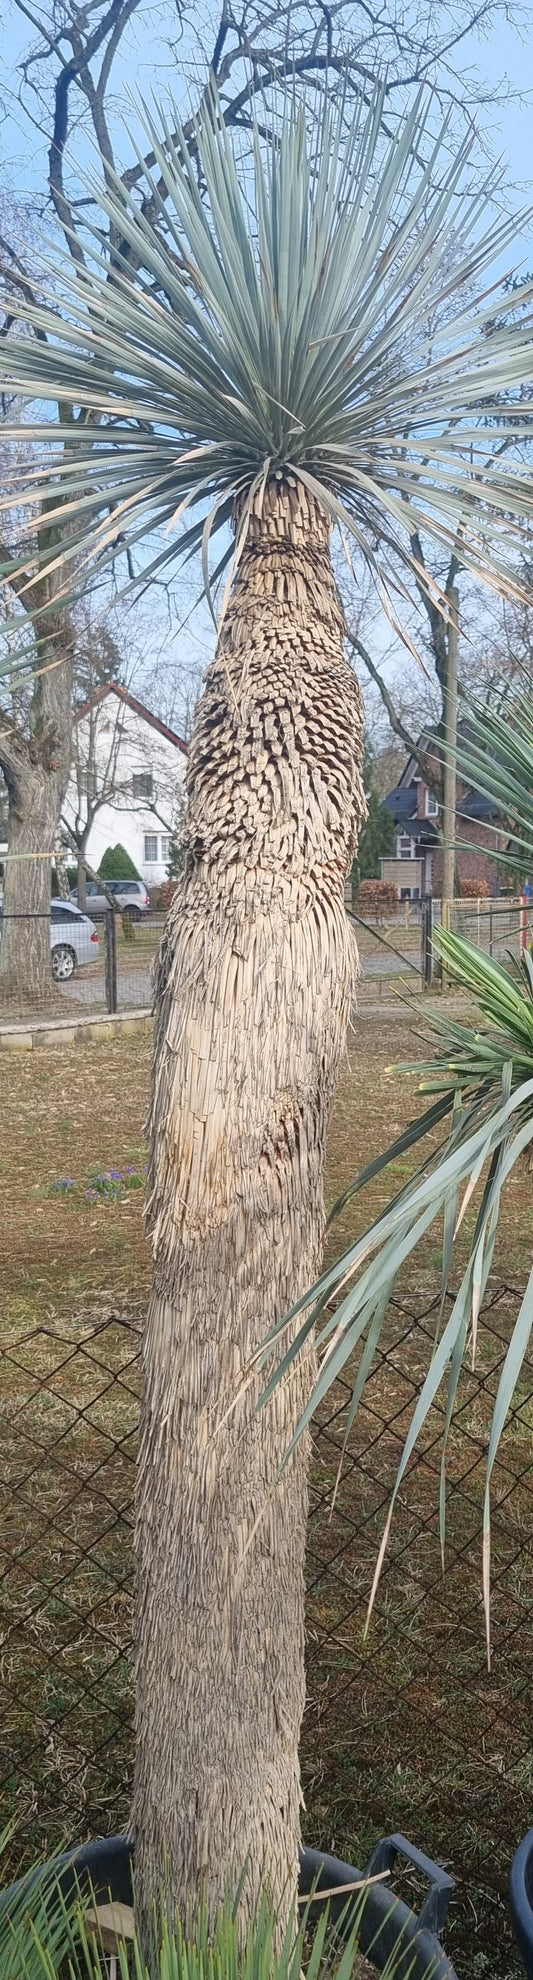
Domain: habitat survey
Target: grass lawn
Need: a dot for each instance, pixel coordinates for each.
(406, 1730)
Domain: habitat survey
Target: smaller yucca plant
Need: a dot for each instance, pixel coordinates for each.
(45, 1936)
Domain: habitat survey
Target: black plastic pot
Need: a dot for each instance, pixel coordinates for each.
(387, 1923)
(521, 1900)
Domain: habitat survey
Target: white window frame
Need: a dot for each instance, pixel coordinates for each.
(166, 845)
(403, 840)
(432, 807)
(151, 858)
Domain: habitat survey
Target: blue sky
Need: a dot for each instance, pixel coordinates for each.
(506, 52)
(510, 125)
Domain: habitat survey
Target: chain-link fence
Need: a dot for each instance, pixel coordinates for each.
(68, 964)
(398, 952)
(391, 953)
(69, 1407)
(501, 928)
(407, 1728)
(404, 1729)
(75, 965)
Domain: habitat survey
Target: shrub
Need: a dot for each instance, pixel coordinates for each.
(377, 838)
(377, 897)
(177, 856)
(167, 892)
(117, 865)
(474, 890)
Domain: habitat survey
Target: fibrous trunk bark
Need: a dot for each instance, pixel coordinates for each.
(36, 769)
(254, 990)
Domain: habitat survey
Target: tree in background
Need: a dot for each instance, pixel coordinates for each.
(377, 837)
(96, 777)
(100, 655)
(177, 850)
(176, 861)
(35, 746)
(495, 632)
(36, 673)
(404, 709)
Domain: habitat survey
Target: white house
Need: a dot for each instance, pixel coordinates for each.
(127, 781)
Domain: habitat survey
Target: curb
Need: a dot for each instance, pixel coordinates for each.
(104, 1025)
(64, 1031)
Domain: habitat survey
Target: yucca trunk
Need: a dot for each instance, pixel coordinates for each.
(254, 990)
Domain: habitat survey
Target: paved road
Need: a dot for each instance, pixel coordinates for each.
(408, 963)
(134, 989)
(134, 985)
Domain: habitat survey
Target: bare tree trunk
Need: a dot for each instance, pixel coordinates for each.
(60, 864)
(82, 884)
(254, 990)
(36, 769)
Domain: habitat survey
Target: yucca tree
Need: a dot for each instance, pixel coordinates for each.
(260, 357)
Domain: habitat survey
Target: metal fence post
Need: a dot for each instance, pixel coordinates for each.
(446, 922)
(110, 960)
(426, 927)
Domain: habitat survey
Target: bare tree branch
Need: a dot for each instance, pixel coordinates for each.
(72, 71)
(410, 743)
(439, 633)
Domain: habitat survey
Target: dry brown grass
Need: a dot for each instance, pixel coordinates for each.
(66, 1111)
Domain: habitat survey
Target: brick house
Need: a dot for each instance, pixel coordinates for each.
(416, 867)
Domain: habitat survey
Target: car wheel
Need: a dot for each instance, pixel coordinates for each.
(133, 913)
(63, 963)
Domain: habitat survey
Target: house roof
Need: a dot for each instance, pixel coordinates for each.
(115, 687)
(477, 805)
(423, 831)
(401, 802)
(430, 743)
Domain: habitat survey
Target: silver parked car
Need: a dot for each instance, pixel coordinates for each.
(129, 897)
(73, 940)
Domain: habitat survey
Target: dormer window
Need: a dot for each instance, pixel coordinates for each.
(87, 781)
(143, 786)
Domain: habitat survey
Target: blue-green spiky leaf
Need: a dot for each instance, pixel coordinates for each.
(280, 315)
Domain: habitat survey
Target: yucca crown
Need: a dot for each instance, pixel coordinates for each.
(311, 310)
